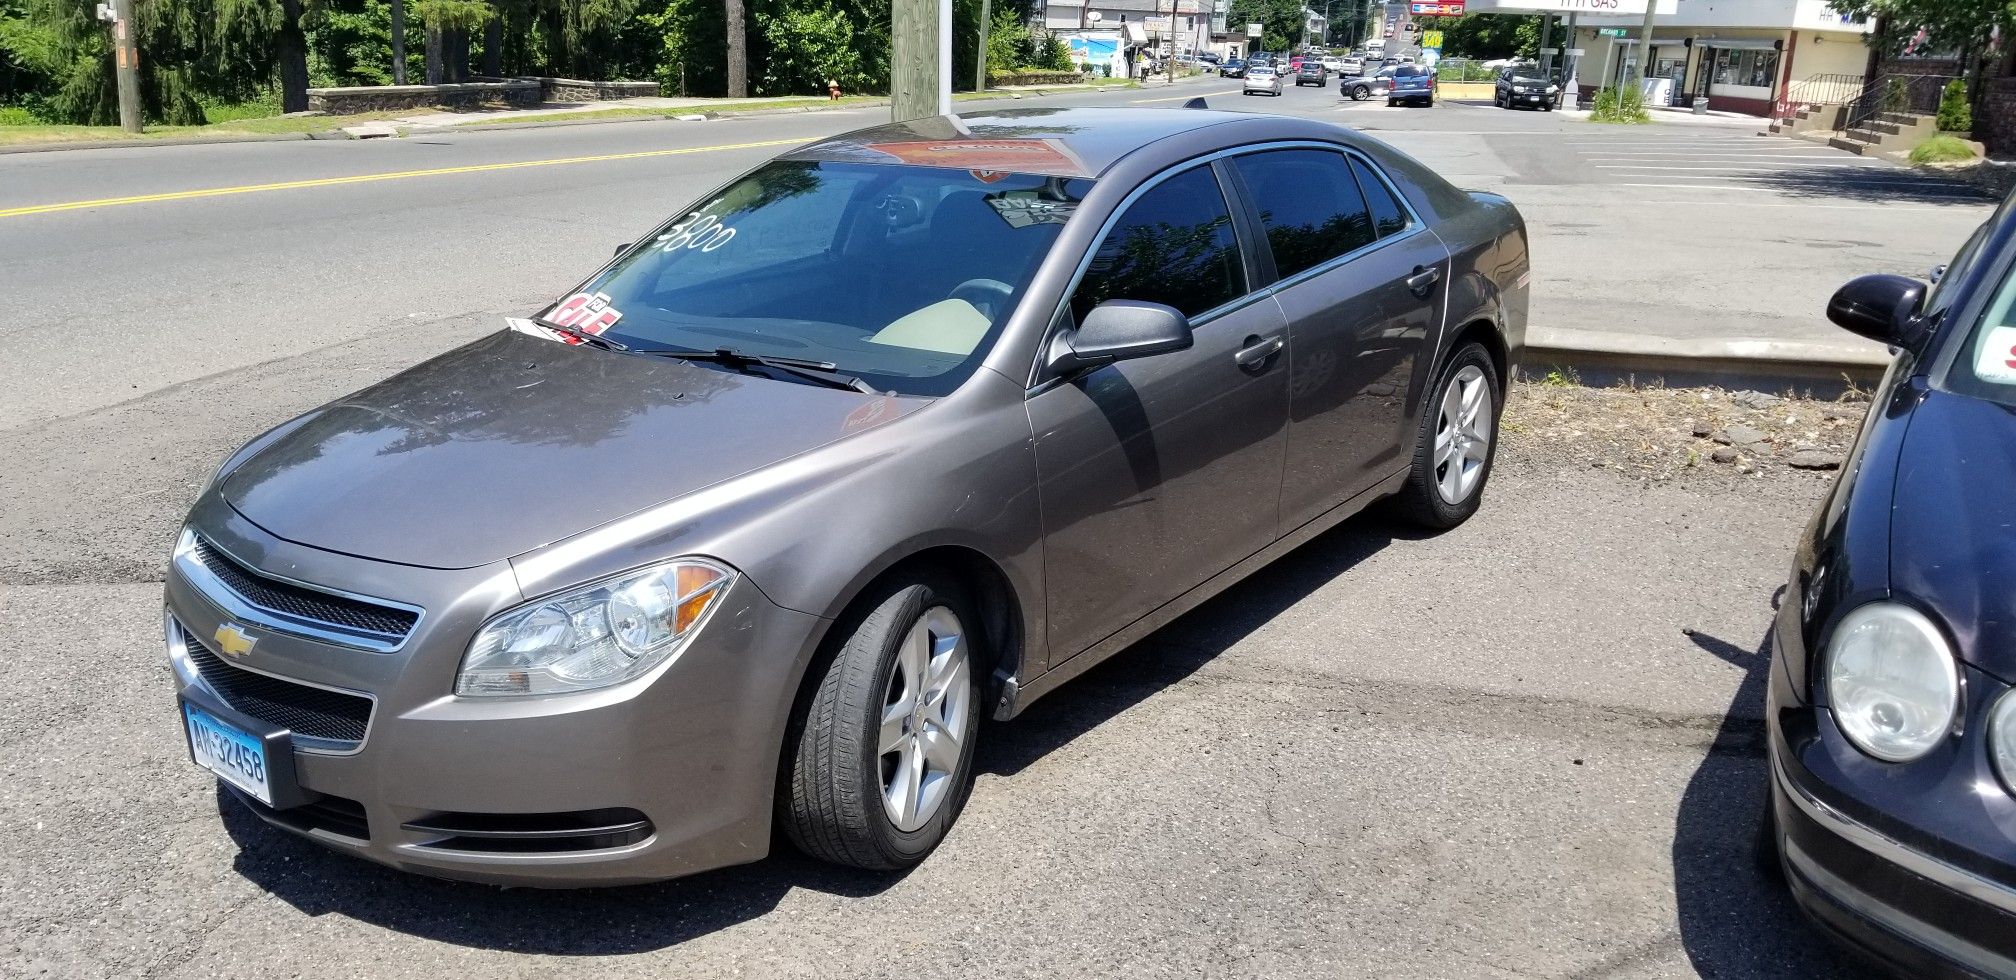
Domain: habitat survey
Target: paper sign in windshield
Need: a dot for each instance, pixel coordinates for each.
(1995, 359)
(1038, 156)
(589, 313)
(1023, 210)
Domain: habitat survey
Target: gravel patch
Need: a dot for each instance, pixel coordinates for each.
(1706, 437)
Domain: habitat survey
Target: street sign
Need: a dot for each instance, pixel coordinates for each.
(1255, 30)
(1440, 8)
(1431, 40)
(1615, 32)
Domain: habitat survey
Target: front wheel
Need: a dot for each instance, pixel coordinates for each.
(881, 758)
(1455, 446)
(1360, 93)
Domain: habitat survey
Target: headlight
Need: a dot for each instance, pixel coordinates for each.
(2002, 738)
(1519, 89)
(1891, 681)
(600, 634)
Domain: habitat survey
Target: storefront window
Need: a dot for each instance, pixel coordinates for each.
(1753, 68)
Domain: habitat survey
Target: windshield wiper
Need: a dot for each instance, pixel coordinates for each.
(592, 340)
(818, 372)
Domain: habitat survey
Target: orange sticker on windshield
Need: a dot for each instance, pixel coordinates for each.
(1009, 156)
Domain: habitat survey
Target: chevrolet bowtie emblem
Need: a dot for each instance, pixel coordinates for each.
(233, 641)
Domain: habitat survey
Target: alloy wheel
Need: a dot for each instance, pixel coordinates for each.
(924, 717)
(1463, 435)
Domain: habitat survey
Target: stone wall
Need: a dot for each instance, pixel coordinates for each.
(1918, 66)
(518, 93)
(1996, 129)
(998, 79)
(575, 90)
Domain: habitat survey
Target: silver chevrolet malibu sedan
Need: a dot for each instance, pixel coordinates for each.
(901, 429)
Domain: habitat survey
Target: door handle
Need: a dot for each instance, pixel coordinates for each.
(1257, 351)
(1423, 279)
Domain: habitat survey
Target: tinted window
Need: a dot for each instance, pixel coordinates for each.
(1174, 245)
(1387, 215)
(1309, 206)
(1411, 71)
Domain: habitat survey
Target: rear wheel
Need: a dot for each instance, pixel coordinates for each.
(1456, 444)
(881, 758)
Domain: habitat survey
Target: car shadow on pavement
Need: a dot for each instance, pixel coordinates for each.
(1735, 921)
(581, 922)
(1172, 653)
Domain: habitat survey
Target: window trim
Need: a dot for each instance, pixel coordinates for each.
(1247, 231)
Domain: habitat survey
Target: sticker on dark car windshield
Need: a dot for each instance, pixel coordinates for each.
(1024, 209)
(589, 313)
(1995, 360)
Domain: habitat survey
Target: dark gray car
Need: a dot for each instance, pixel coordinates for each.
(899, 429)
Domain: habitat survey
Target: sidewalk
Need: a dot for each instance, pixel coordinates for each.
(1686, 117)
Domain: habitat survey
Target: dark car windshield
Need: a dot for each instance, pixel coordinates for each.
(1986, 365)
(901, 276)
(1411, 71)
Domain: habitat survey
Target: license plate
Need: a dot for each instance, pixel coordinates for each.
(235, 756)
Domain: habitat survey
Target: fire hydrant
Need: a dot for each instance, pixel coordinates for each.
(832, 90)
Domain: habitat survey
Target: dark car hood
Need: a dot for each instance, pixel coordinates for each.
(514, 441)
(1953, 524)
(1530, 80)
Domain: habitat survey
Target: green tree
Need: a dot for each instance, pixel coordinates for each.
(809, 47)
(1487, 36)
(1281, 21)
(1954, 114)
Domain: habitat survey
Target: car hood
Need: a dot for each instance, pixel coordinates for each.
(1953, 524)
(514, 442)
(1529, 80)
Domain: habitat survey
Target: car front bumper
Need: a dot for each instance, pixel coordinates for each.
(1924, 902)
(1530, 98)
(500, 790)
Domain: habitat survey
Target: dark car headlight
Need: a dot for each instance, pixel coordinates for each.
(1892, 681)
(600, 634)
(2002, 738)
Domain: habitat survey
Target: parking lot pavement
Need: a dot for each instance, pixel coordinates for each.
(1531, 746)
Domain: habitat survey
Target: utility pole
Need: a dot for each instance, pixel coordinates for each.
(1644, 44)
(920, 70)
(126, 61)
(980, 59)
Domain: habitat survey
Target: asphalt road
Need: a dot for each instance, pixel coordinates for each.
(1496, 752)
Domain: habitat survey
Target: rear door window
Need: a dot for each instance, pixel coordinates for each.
(1388, 217)
(1309, 206)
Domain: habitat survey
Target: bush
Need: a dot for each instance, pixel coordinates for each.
(1615, 105)
(1941, 149)
(1955, 115)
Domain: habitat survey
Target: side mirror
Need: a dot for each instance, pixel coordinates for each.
(620, 249)
(1881, 308)
(1117, 330)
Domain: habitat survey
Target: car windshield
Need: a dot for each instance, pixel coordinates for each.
(1986, 365)
(901, 276)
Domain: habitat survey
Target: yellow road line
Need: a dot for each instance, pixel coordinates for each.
(1179, 98)
(366, 178)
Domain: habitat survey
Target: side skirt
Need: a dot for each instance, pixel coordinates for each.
(1017, 696)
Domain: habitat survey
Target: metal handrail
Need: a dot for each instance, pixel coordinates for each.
(1829, 89)
(1896, 92)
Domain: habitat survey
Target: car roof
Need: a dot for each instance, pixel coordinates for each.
(1069, 142)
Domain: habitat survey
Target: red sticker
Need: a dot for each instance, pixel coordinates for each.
(589, 313)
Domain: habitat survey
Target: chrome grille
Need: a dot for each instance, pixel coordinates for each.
(309, 607)
(313, 712)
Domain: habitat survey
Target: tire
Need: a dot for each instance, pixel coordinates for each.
(1360, 93)
(1425, 500)
(832, 804)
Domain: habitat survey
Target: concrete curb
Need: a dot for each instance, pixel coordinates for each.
(170, 141)
(1605, 356)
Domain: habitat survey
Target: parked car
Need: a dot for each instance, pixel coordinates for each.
(1312, 73)
(1525, 84)
(1890, 719)
(1361, 88)
(571, 604)
(1232, 68)
(1262, 79)
(1210, 56)
(1412, 84)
